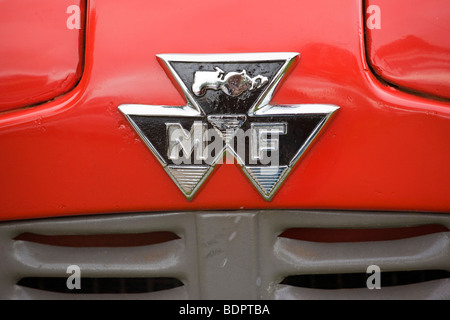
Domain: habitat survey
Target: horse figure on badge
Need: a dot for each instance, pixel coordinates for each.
(231, 83)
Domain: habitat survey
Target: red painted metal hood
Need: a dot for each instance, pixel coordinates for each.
(410, 46)
(41, 50)
(383, 150)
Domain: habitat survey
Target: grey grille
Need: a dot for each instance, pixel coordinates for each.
(224, 255)
(21, 259)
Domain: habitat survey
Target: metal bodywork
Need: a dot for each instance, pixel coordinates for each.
(381, 162)
(411, 55)
(385, 150)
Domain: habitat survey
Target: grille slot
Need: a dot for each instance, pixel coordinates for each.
(143, 254)
(358, 280)
(360, 235)
(97, 240)
(103, 285)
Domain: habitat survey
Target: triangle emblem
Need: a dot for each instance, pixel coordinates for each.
(188, 178)
(266, 178)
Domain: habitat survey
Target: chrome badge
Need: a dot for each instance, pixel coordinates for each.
(228, 116)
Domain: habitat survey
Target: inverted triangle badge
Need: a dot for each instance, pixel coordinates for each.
(188, 178)
(227, 125)
(228, 110)
(266, 179)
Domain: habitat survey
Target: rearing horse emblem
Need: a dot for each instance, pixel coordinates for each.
(232, 83)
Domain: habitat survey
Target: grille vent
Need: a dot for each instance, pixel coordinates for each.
(228, 255)
(325, 256)
(120, 257)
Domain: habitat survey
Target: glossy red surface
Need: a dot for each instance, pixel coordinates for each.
(384, 149)
(412, 47)
(40, 58)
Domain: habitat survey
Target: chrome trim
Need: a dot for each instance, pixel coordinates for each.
(144, 138)
(227, 57)
(265, 98)
(310, 139)
(159, 111)
(186, 179)
(291, 109)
